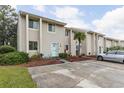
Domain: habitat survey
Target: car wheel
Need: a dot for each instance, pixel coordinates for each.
(99, 58)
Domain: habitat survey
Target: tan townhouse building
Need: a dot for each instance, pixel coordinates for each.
(92, 45)
(121, 43)
(110, 42)
(73, 44)
(38, 35)
(41, 35)
(95, 43)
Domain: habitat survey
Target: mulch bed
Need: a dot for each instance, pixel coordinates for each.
(77, 58)
(92, 56)
(41, 62)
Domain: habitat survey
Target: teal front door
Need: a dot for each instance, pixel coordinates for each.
(54, 49)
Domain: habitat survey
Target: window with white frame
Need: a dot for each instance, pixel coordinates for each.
(33, 45)
(33, 24)
(51, 27)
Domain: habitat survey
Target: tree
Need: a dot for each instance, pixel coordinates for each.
(80, 36)
(8, 25)
(115, 48)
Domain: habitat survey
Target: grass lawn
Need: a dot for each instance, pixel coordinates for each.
(15, 77)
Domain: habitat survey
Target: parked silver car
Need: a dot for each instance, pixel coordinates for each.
(117, 56)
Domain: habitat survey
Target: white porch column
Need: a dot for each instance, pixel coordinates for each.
(40, 40)
(97, 45)
(119, 43)
(71, 40)
(27, 33)
(105, 44)
(86, 43)
(19, 34)
(112, 43)
(73, 43)
(93, 48)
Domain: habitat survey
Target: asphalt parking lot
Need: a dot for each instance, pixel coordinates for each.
(85, 74)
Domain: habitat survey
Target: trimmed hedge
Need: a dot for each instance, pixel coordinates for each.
(35, 57)
(115, 48)
(6, 49)
(63, 55)
(13, 58)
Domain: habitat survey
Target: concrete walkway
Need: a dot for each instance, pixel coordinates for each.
(85, 74)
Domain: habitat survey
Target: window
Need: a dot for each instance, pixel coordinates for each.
(66, 47)
(51, 27)
(112, 52)
(66, 33)
(120, 53)
(32, 45)
(33, 24)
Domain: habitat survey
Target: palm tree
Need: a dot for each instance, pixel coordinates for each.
(80, 36)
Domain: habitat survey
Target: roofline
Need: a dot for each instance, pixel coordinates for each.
(109, 38)
(44, 18)
(86, 30)
(121, 40)
(96, 33)
(79, 29)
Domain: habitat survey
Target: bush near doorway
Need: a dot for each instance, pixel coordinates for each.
(13, 58)
(64, 55)
(6, 49)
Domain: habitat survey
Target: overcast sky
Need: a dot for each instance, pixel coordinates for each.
(108, 20)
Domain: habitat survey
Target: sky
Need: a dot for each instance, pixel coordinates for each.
(106, 19)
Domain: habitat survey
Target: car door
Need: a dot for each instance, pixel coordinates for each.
(119, 57)
(110, 55)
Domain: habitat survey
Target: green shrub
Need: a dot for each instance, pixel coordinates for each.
(24, 56)
(114, 48)
(35, 57)
(63, 55)
(41, 55)
(13, 58)
(6, 49)
(81, 55)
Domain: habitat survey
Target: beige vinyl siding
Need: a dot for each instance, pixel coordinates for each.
(73, 44)
(89, 44)
(100, 44)
(52, 37)
(34, 36)
(67, 42)
(83, 47)
(108, 43)
(115, 43)
(122, 43)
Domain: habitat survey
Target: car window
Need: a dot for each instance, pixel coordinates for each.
(120, 53)
(111, 52)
